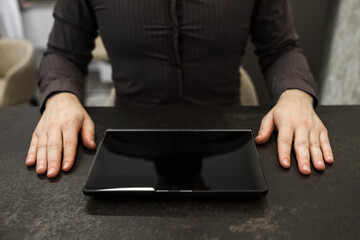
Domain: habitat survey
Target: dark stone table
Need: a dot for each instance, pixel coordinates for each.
(325, 205)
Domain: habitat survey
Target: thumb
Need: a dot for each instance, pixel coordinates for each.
(88, 133)
(266, 128)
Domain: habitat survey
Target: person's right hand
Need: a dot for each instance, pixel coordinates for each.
(56, 135)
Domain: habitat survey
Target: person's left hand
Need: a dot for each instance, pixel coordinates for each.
(297, 124)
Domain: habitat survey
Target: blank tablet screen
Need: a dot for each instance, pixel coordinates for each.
(171, 161)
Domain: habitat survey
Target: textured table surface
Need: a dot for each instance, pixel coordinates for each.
(324, 205)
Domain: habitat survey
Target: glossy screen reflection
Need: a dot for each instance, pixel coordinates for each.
(176, 161)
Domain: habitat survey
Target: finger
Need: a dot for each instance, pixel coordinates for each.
(41, 156)
(88, 133)
(70, 141)
(266, 128)
(54, 151)
(326, 148)
(315, 151)
(301, 145)
(285, 139)
(31, 156)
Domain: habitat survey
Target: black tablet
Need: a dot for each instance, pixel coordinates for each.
(176, 163)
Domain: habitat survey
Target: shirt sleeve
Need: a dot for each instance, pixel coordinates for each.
(64, 65)
(282, 61)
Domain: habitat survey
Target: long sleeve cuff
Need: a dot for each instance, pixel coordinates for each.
(57, 86)
(293, 83)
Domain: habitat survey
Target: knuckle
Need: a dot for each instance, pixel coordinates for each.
(69, 143)
(325, 141)
(284, 154)
(329, 151)
(66, 122)
(326, 146)
(54, 146)
(324, 131)
(314, 144)
(69, 159)
(302, 157)
(41, 147)
(33, 145)
(265, 118)
(52, 124)
(262, 121)
(90, 122)
(302, 143)
(37, 133)
(31, 153)
(289, 121)
(285, 140)
(304, 123)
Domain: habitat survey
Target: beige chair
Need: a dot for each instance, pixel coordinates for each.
(17, 72)
(99, 53)
(248, 96)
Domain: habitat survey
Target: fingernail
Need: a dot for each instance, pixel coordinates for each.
(51, 171)
(306, 167)
(286, 162)
(66, 165)
(28, 159)
(40, 167)
(330, 158)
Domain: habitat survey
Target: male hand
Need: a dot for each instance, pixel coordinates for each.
(56, 135)
(297, 124)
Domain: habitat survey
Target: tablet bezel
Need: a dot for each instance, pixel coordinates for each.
(151, 193)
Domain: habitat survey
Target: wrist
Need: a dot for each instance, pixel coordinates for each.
(295, 94)
(61, 97)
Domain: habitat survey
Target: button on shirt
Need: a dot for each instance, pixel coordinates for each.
(179, 52)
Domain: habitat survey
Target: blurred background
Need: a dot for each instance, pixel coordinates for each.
(330, 38)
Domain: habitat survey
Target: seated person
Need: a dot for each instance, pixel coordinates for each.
(177, 52)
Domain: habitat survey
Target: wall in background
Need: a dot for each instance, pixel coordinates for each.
(341, 83)
(10, 19)
(38, 21)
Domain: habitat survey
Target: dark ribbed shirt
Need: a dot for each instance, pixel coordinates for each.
(179, 52)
